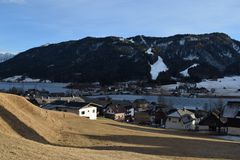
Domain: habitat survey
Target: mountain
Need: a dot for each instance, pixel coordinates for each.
(5, 56)
(111, 59)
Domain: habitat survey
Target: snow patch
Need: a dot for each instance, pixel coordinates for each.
(227, 54)
(20, 78)
(236, 47)
(193, 39)
(143, 40)
(185, 72)
(121, 39)
(182, 42)
(165, 45)
(226, 82)
(227, 86)
(191, 58)
(158, 67)
(131, 40)
(149, 51)
(45, 45)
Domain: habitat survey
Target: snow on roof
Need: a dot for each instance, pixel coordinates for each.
(158, 67)
(174, 114)
(182, 112)
(231, 109)
(185, 72)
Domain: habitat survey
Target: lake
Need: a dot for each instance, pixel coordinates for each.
(177, 102)
(51, 87)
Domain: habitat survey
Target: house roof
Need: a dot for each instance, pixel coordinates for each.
(117, 108)
(184, 114)
(213, 119)
(174, 114)
(181, 113)
(71, 105)
(231, 110)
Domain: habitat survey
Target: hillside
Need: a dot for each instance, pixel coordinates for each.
(28, 132)
(113, 59)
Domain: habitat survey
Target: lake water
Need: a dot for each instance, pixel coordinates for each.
(51, 87)
(177, 102)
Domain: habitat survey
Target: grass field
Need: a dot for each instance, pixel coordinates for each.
(28, 132)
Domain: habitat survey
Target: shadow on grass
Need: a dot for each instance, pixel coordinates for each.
(164, 146)
(159, 130)
(21, 128)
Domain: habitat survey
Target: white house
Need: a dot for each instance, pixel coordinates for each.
(181, 119)
(83, 109)
(89, 111)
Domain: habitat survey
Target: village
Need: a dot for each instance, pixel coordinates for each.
(223, 119)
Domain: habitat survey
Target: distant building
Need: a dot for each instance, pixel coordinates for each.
(215, 123)
(82, 109)
(115, 112)
(141, 105)
(89, 111)
(232, 113)
(143, 118)
(119, 111)
(181, 119)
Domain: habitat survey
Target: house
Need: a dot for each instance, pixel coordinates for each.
(89, 111)
(82, 109)
(214, 122)
(232, 113)
(159, 114)
(143, 118)
(130, 113)
(141, 105)
(120, 111)
(115, 112)
(181, 119)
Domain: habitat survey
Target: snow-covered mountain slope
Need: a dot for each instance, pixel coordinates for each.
(5, 56)
(157, 68)
(112, 59)
(223, 86)
(185, 72)
(227, 86)
(20, 78)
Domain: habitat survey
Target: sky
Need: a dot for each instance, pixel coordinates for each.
(25, 24)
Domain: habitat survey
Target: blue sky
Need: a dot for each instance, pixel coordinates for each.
(30, 23)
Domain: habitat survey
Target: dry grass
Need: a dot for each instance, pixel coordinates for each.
(34, 133)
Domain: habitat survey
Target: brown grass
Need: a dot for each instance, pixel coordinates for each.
(34, 133)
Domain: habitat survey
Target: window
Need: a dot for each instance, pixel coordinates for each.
(83, 112)
(88, 110)
(93, 111)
